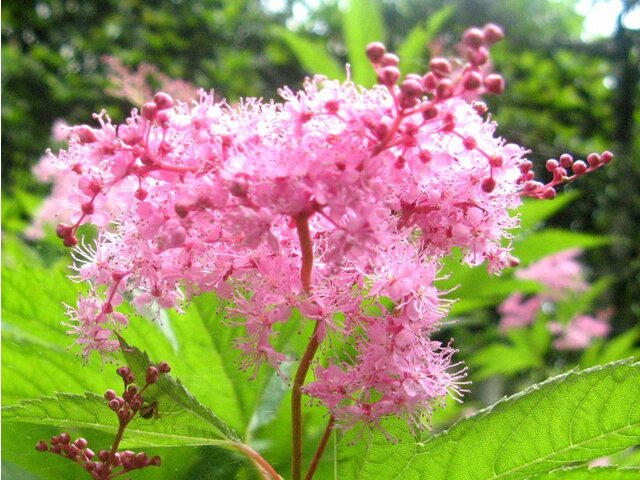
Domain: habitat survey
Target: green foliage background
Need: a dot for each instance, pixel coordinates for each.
(563, 94)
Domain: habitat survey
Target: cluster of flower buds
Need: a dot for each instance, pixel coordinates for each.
(561, 175)
(107, 464)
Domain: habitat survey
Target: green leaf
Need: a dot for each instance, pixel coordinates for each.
(501, 359)
(174, 427)
(572, 418)
(362, 24)
(593, 473)
(312, 54)
(532, 212)
(548, 241)
(415, 46)
(171, 395)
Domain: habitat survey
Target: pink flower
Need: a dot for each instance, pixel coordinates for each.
(560, 272)
(517, 312)
(580, 331)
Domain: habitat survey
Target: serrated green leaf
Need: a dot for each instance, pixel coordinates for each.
(174, 427)
(593, 473)
(362, 24)
(311, 54)
(171, 395)
(569, 419)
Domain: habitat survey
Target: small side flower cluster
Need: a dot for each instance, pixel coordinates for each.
(562, 276)
(325, 203)
(108, 464)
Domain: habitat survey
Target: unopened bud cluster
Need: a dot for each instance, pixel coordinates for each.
(107, 464)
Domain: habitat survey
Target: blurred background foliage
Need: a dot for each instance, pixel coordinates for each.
(564, 93)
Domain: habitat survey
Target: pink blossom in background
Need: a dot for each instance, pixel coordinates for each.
(581, 330)
(517, 312)
(560, 273)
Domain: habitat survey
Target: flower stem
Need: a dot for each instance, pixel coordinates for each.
(267, 471)
(306, 250)
(320, 450)
(296, 405)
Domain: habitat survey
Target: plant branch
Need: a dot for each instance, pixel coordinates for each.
(296, 405)
(266, 469)
(320, 450)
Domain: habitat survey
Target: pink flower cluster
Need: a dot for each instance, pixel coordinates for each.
(326, 203)
(562, 276)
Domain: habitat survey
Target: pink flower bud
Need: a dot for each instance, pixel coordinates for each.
(473, 37)
(411, 88)
(70, 241)
(488, 184)
(440, 66)
(549, 193)
(566, 160)
(607, 156)
(42, 446)
(594, 159)
(163, 100)
(389, 75)
(63, 231)
(492, 33)
(444, 89)
(469, 143)
(551, 165)
(431, 111)
(149, 110)
(579, 167)
(390, 60)
(494, 84)
(87, 208)
(375, 51)
(472, 81)
(430, 81)
(479, 57)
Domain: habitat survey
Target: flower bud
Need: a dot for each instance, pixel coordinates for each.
(479, 57)
(64, 438)
(579, 167)
(411, 88)
(444, 89)
(566, 160)
(440, 66)
(63, 231)
(494, 84)
(163, 100)
(42, 446)
(607, 156)
(164, 367)
(70, 241)
(390, 60)
(375, 51)
(81, 443)
(492, 33)
(594, 159)
(551, 165)
(430, 81)
(549, 194)
(389, 75)
(149, 110)
(152, 375)
(473, 37)
(472, 81)
(488, 184)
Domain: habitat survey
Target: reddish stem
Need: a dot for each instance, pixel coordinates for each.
(320, 450)
(264, 466)
(296, 404)
(306, 249)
